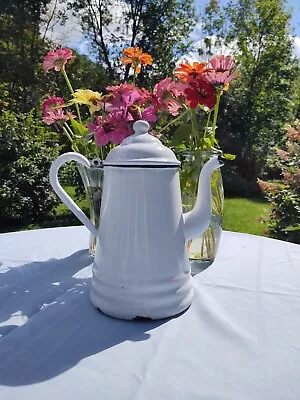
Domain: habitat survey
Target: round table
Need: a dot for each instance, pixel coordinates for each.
(239, 340)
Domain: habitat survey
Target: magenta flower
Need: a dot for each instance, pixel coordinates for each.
(120, 132)
(57, 59)
(149, 114)
(113, 128)
(123, 95)
(100, 135)
(222, 63)
(51, 103)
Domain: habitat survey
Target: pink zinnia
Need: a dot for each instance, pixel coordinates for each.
(100, 135)
(113, 128)
(57, 59)
(51, 103)
(222, 63)
(149, 114)
(123, 95)
(117, 126)
(56, 117)
(162, 96)
(178, 88)
(220, 78)
(162, 87)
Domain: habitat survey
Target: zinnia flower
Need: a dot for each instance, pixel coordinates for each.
(56, 117)
(186, 72)
(149, 114)
(201, 92)
(162, 97)
(221, 74)
(220, 79)
(100, 135)
(57, 59)
(113, 128)
(222, 63)
(51, 103)
(136, 57)
(123, 95)
(88, 97)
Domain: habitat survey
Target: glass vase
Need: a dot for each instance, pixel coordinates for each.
(202, 250)
(92, 179)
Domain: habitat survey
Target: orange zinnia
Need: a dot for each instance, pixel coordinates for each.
(135, 56)
(187, 72)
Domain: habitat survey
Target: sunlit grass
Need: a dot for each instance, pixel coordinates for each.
(242, 215)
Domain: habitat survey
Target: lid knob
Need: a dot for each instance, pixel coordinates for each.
(140, 127)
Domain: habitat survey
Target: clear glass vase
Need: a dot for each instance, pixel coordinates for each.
(92, 179)
(202, 250)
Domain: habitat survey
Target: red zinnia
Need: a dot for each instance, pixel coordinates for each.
(201, 92)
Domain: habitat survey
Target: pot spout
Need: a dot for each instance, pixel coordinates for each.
(197, 220)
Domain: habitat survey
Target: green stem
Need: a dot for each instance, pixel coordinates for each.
(72, 91)
(207, 123)
(216, 110)
(134, 75)
(194, 127)
(174, 120)
(69, 129)
(101, 153)
(70, 138)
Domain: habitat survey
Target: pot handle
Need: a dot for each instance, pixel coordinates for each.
(65, 198)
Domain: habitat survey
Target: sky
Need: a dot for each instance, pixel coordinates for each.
(71, 34)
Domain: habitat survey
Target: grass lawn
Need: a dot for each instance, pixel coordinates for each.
(240, 215)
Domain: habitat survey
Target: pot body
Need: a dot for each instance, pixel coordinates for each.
(141, 266)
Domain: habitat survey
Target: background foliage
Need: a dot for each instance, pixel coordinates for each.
(253, 115)
(26, 151)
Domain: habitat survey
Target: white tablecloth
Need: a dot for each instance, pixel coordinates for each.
(239, 340)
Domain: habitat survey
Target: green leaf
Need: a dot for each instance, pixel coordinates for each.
(78, 128)
(229, 156)
(292, 228)
(181, 133)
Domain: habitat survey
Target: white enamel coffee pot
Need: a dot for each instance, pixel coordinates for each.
(141, 267)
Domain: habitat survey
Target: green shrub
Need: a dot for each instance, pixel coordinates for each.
(27, 149)
(284, 194)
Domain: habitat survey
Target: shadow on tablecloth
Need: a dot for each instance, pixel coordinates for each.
(49, 324)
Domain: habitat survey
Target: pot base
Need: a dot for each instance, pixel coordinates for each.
(143, 301)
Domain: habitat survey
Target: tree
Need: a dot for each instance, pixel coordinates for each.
(23, 83)
(20, 50)
(160, 27)
(255, 115)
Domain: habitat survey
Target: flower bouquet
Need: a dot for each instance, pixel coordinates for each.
(182, 110)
